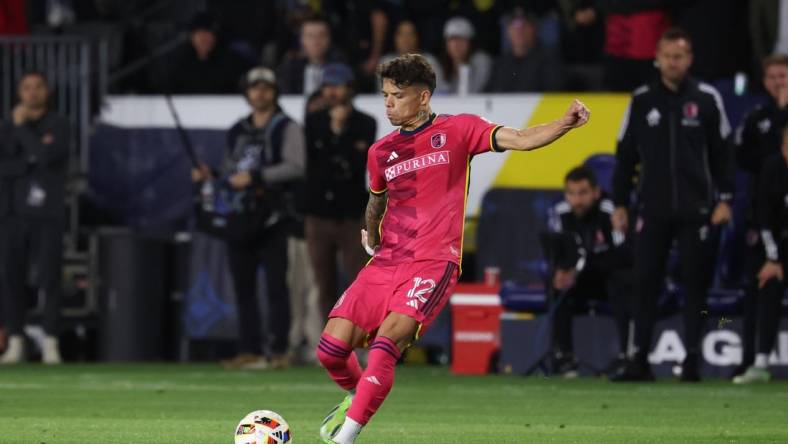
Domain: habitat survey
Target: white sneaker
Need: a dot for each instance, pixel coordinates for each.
(753, 375)
(50, 351)
(15, 352)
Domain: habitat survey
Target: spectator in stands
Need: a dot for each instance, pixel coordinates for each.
(467, 70)
(676, 132)
(759, 137)
(772, 208)
(303, 73)
(337, 141)
(768, 28)
(583, 36)
(35, 165)
(265, 155)
(632, 29)
(406, 41)
(206, 66)
(529, 67)
(719, 53)
(13, 20)
(591, 260)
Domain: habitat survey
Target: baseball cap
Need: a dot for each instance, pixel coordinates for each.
(458, 27)
(337, 74)
(260, 74)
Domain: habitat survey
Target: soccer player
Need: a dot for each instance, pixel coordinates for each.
(414, 222)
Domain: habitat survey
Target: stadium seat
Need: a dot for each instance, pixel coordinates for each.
(603, 166)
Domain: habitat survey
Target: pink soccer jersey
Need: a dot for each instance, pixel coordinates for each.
(426, 174)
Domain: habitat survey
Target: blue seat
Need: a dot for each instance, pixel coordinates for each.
(603, 165)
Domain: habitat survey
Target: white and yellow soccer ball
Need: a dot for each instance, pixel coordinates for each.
(263, 427)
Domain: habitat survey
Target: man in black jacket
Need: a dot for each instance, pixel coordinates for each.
(676, 131)
(759, 137)
(265, 155)
(591, 261)
(338, 138)
(772, 216)
(34, 166)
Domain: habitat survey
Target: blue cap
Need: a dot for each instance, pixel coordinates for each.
(337, 74)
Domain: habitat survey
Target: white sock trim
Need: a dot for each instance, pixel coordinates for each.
(349, 431)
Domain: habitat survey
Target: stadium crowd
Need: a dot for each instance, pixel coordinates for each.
(300, 193)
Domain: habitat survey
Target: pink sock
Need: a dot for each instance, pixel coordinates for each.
(376, 381)
(339, 360)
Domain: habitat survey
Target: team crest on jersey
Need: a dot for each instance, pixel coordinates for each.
(417, 163)
(438, 140)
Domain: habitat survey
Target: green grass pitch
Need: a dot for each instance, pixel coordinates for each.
(201, 403)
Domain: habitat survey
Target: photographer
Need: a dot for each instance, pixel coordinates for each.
(265, 155)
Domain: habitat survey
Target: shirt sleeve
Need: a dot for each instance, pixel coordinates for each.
(480, 134)
(377, 183)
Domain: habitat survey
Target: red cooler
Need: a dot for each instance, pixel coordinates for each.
(476, 311)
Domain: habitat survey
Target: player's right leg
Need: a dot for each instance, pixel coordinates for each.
(335, 353)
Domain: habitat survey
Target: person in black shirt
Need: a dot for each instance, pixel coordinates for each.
(591, 260)
(758, 138)
(772, 213)
(338, 138)
(676, 131)
(34, 168)
(206, 66)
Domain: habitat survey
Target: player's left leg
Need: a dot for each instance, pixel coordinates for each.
(422, 291)
(394, 336)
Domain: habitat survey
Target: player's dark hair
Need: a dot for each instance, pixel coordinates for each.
(675, 34)
(409, 69)
(581, 173)
(774, 60)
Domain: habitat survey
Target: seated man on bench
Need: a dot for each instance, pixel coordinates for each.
(589, 260)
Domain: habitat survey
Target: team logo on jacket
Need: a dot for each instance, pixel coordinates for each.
(653, 117)
(417, 163)
(690, 114)
(691, 110)
(438, 140)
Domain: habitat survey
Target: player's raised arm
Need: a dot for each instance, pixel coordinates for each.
(508, 138)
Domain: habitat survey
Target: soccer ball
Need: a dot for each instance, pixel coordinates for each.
(263, 427)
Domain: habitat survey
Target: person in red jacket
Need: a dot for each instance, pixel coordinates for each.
(632, 30)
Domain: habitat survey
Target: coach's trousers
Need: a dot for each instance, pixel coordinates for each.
(696, 241)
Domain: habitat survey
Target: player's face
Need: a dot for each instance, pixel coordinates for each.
(261, 96)
(334, 95)
(674, 58)
(775, 79)
(33, 92)
(403, 104)
(581, 196)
